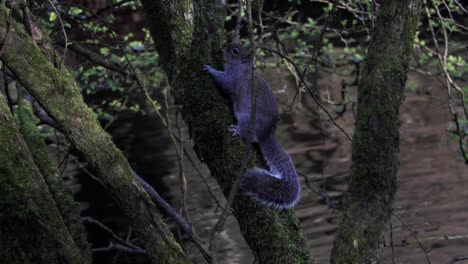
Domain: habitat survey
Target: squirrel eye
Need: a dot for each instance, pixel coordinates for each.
(235, 51)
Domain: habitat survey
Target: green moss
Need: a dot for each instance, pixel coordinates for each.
(62, 196)
(372, 184)
(59, 95)
(29, 214)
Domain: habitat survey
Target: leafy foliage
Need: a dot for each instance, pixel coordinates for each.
(338, 38)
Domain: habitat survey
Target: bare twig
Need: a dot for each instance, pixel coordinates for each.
(91, 220)
(391, 243)
(112, 6)
(64, 34)
(7, 34)
(317, 101)
(121, 248)
(236, 38)
(192, 162)
(442, 58)
(165, 206)
(175, 216)
(7, 89)
(414, 236)
(250, 133)
(461, 136)
(457, 259)
(322, 194)
(83, 168)
(182, 178)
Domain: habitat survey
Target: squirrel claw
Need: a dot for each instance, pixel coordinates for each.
(234, 129)
(207, 68)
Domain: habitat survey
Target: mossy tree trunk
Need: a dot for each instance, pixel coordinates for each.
(375, 150)
(31, 227)
(187, 35)
(63, 196)
(60, 97)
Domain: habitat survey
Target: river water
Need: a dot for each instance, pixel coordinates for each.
(431, 201)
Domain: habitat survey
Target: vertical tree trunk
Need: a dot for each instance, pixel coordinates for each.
(375, 150)
(31, 227)
(187, 35)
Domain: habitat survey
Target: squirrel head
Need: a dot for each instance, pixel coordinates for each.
(235, 52)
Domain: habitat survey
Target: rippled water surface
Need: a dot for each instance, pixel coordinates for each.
(431, 200)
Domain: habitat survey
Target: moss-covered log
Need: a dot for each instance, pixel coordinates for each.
(31, 227)
(187, 35)
(60, 97)
(375, 149)
(63, 196)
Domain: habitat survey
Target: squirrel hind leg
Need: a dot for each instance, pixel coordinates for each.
(270, 190)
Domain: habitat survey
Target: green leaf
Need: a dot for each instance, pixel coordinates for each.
(52, 17)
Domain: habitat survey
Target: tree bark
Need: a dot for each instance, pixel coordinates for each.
(375, 150)
(62, 196)
(60, 97)
(187, 35)
(31, 227)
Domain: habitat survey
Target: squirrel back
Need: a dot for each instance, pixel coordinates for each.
(279, 186)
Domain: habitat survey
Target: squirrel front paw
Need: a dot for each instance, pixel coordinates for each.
(234, 129)
(207, 68)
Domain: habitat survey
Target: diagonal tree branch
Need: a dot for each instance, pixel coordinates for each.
(30, 223)
(60, 97)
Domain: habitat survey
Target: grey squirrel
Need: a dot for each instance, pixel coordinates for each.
(279, 186)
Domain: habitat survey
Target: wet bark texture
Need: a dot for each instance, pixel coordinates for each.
(61, 98)
(187, 35)
(368, 203)
(31, 227)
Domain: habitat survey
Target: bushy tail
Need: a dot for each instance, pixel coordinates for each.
(279, 187)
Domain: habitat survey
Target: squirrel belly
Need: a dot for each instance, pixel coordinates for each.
(279, 187)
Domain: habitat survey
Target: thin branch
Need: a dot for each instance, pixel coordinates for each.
(7, 89)
(121, 248)
(461, 135)
(322, 193)
(7, 34)
(112, 6)
(391, 243)
(457, 259)
(93, 221)
(414, 236)
(64, 34)
(250, 133)
(157, 199)
(309, 89)
(164, 205)
(182, 178)
(97, 58)
(200, 174)
(450, 83)
(86, 171)
(236, 38)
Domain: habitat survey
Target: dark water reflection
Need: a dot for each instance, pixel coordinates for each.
(431, 197)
